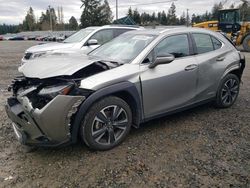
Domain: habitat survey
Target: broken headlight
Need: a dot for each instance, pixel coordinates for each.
(36, 55)
(53, 91)
(39, 54)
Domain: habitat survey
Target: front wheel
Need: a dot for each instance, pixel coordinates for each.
(228, 91)
(106, 124)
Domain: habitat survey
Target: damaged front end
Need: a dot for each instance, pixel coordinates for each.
(42, 110)
(44, 102)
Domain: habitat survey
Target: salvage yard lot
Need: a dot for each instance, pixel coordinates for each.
(201, 147)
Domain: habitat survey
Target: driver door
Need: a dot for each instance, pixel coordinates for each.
(169, 86)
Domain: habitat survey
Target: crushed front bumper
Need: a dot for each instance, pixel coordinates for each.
(49, 126)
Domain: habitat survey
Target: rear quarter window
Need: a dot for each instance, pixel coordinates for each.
(217, 44)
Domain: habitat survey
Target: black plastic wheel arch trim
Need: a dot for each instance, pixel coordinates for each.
(104, 92)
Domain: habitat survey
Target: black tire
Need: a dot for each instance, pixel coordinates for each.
(228, 91)
(246, 43)
(100, 120)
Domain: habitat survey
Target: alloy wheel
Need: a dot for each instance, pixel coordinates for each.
(229, 92)
(109, 125)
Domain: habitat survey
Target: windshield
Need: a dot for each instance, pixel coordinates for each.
(123, 48)
(78, 36)
(229, 17)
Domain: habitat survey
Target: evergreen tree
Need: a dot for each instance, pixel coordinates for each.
(130, 12)
(159, 17)
(245, 11)
(208, 16)
(29, 23)
(153, 17)
(172, 15)
(8, 29)
(136, 16)
(183, 19)
(73, 25)
(215, 11)
(143, 18)
(106, 16)
(45, 19)
(164, 20)
(91, 13)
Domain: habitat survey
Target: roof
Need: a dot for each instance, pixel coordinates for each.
(171, 30)
(122, 26)
(115, 26)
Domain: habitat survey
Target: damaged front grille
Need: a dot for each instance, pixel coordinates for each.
(41, 91)
(30, 88)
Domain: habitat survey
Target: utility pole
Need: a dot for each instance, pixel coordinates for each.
(51, 27)
(62, 15)
(116, 9)
(187, 19)
(59, 15)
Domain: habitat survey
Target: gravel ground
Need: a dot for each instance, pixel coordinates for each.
(202, 147)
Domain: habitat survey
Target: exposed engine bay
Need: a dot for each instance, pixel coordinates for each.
(41, 91)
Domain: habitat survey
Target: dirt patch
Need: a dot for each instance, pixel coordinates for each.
(202, 147)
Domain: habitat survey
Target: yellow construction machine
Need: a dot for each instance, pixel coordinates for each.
(229, 23)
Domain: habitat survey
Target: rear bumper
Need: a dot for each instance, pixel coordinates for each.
(49, 126)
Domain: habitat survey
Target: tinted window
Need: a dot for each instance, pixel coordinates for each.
(203, 43)
(78, 36)
(217, 44)
(103, 36)
(177, 45)
(121, 31)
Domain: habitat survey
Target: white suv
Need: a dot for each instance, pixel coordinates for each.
(84, 40)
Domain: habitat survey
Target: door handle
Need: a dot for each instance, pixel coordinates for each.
(191, 67)
(220, 58)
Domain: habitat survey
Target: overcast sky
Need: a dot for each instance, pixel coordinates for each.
(13, 11)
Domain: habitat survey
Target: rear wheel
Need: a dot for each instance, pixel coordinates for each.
(246, 43)
(106, 124)
(228, 91)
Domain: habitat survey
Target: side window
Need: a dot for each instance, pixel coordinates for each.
(217, 44)
(121, 31)
(103, 36)
(177, 45)
(203, 43)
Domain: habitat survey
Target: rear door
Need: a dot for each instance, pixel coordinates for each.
(211, 60)
(169, 86)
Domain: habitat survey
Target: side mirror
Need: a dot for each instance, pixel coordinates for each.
(168, 58)
(92, 42)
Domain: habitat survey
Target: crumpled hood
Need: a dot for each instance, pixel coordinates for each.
(55, 65)
(50, 46)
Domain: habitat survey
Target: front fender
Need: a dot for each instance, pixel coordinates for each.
(104, 92)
